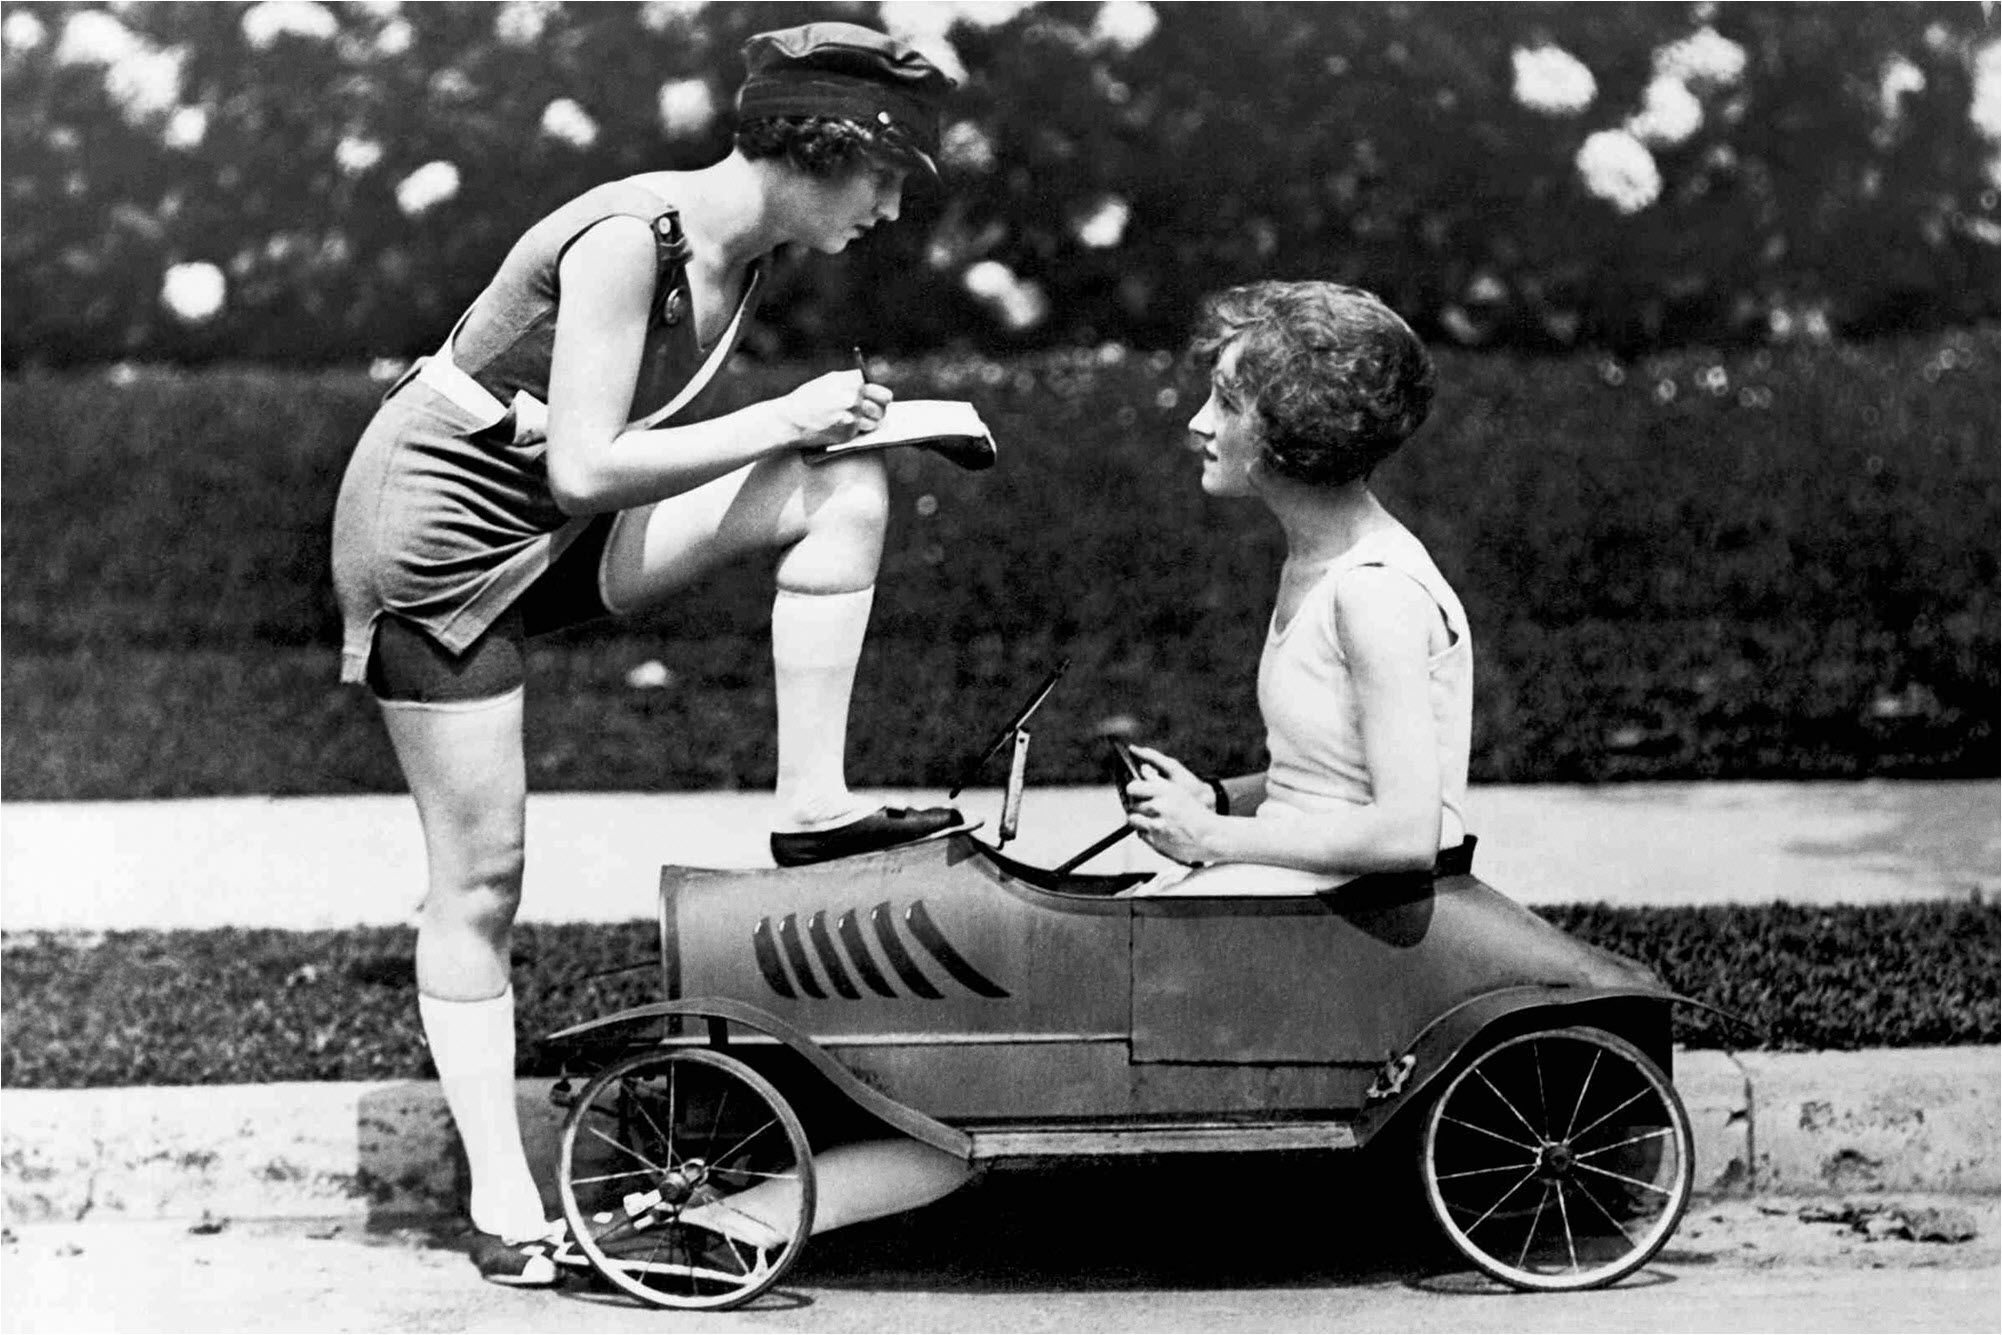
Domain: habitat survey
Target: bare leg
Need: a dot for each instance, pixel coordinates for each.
(853, 1184)
(463, 762)
(829, 520)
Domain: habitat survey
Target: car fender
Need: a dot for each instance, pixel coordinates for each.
(721, 1012)
(1436, 1050)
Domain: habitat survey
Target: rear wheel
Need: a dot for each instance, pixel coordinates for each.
(1559, 1159)
(662, 1133)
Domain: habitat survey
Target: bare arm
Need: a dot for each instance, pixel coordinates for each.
(595, 464)
(1384, 622)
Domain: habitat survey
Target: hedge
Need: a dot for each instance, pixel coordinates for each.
(1689, 566)
(242, 1006)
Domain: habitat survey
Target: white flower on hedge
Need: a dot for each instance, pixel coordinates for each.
(1669, 113)
(395, 38)
(1019, 304)
(1900, 79)
(186, 128)
(522, 22)
(660, 15)
(1125, 25)
(923, 26)
(1618, 169)
(568, 122)
(687, 106)
(966, 147)
(1985, 110)
(194, 292)
(355, 155)
(426, 188)
(1485, 289)
(146, 84)
(265, 23)
(1552, 81)
(1704, 59)
(93, 37)
(21, 32)
(1105, 225)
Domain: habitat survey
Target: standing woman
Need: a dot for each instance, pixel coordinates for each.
(1366, 681)
(527, 478)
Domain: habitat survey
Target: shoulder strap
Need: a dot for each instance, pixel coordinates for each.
(670, 253)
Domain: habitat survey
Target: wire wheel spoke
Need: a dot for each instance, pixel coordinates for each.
(1584, 1086)
(1530, 1150)
(1625, 1104)
(650, 1174)
(626, 1149)
(730, 1153)
(1508, 1104)
(1655, 1134)
(1570, 1238)
(1655, 1187)
(1500, 1201)
(1529, 1238)
(1479, 1172)
(1600, 1206)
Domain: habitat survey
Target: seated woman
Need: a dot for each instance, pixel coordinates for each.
(1366, 682)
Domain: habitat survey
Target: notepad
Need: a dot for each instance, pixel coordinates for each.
(949, 424)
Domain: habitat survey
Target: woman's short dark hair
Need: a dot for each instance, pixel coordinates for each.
(1337, 381)
(820, 146)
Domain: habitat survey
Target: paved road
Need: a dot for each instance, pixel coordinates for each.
(1045, 1260)
(304, 863)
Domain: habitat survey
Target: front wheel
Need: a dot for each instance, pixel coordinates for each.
(1558, 1160)
(663, 1142)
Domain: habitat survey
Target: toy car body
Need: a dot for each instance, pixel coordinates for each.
(1000, 1011)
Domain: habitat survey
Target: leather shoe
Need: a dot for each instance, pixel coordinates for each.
(973, 453)
(884, 827)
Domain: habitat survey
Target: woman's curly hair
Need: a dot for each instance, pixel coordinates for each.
(820, 146)
(1337, 381)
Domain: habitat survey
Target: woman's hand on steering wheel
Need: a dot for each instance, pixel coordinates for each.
(1170, 807)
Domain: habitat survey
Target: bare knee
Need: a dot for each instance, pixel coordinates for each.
(848, 512)
(856, 499)
(476, 871)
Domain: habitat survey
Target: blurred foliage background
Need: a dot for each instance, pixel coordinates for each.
(1713, 288)
(295, 182)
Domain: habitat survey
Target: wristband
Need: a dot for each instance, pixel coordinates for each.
(1222, 795)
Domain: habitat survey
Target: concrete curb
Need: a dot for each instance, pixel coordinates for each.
(1769, 1124)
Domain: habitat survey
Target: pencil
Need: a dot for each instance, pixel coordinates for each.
(861, 367)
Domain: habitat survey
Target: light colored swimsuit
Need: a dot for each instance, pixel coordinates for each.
(445, 515)
(1313, 722)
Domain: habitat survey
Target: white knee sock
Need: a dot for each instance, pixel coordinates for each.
(472, 1045)
(816, 643)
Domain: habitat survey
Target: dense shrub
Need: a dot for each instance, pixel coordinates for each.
(1772, 564)
(1105, 164)
(234, 1006)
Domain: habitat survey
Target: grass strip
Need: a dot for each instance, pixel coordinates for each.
(237, 1006)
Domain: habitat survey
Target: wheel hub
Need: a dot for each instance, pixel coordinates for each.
(1554, 1160)
(681, 1183)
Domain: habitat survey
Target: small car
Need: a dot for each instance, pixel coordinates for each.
(1006, 1012)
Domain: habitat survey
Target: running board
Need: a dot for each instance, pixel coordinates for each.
(1034, 1142)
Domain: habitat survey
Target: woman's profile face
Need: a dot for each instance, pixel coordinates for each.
(848, 205)
(1225, 432)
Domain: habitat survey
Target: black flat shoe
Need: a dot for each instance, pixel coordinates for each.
(886, 827)
(522, 1265)
(973, 453)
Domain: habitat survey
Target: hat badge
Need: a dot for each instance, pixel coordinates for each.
(673, 307)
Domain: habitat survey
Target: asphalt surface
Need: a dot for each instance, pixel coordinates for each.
(1076, 1255)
